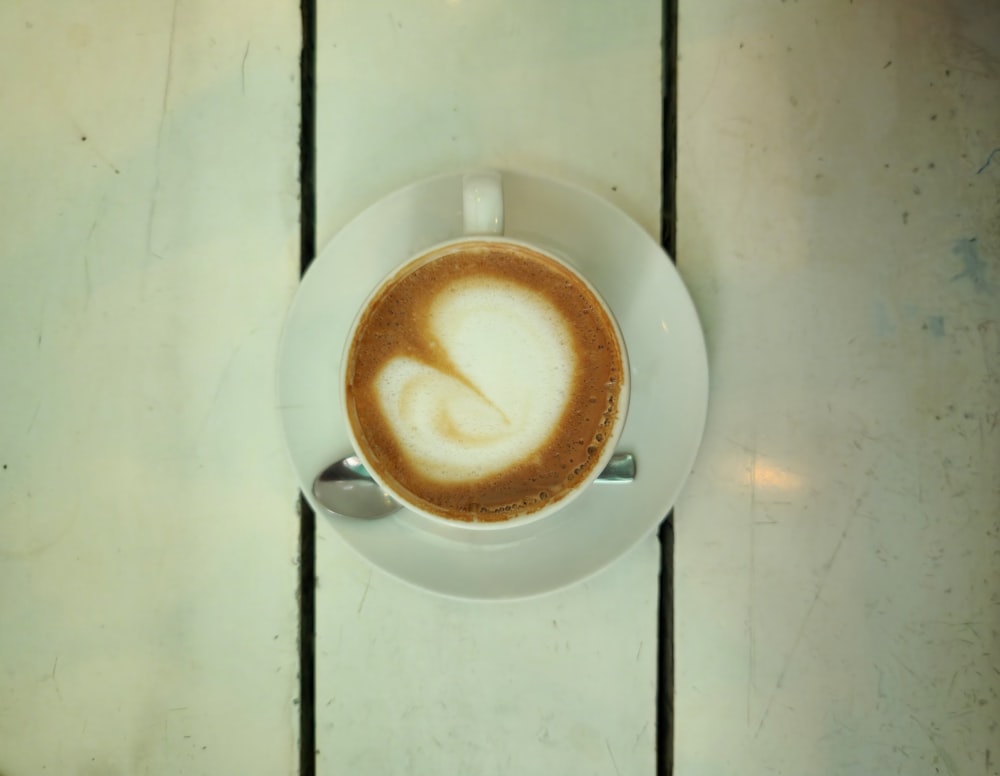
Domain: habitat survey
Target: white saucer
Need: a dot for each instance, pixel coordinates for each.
(669, 371)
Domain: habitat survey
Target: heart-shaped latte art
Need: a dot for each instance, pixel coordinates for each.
(495, 389)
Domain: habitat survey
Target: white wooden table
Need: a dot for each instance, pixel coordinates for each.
(149, 251)
(838, 546)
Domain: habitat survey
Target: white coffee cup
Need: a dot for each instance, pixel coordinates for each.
(483, 217)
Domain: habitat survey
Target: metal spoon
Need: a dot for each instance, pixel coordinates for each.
(346, 488)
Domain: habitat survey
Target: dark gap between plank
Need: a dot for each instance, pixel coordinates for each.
(668, 239)
(307, 518)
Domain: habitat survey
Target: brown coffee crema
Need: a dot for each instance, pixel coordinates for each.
(399, 333)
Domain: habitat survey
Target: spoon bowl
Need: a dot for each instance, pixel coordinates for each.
(345, 488)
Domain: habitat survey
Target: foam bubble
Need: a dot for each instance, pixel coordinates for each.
(512, 368)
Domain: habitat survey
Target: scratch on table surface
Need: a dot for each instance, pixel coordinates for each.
(52, 675)
(943, 754)
(40, 328)
(34, 551)
(752, 588)
(168, 77)
(640, 734)
(826, 569)
(951, 684)
(989, 342)
(614, 762)
(711, 86)
(243, 70)
(364, 595)
(34, 417)
(974, 269)
(87, 288)
(95, 151)
(901, 663)
(989, 160)
(218, 386)
(751, 651)
(111, 165)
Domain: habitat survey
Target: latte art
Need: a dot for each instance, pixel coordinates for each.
(484, 381)
(498, 383)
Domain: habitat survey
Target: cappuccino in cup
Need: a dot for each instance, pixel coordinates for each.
(485, 381)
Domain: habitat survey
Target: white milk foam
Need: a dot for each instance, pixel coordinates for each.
(514, 350)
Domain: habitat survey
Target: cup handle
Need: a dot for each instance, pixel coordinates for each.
(482, 202)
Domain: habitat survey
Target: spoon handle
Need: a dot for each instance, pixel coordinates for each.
(621, 468)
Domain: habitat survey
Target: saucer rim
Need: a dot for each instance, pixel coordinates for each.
(399, 523)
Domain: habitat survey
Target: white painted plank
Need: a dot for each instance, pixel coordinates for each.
(409, 682)
(149, 251)
(838, 549)
(408, 90)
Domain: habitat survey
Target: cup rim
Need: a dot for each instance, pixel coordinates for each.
(477, 526)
